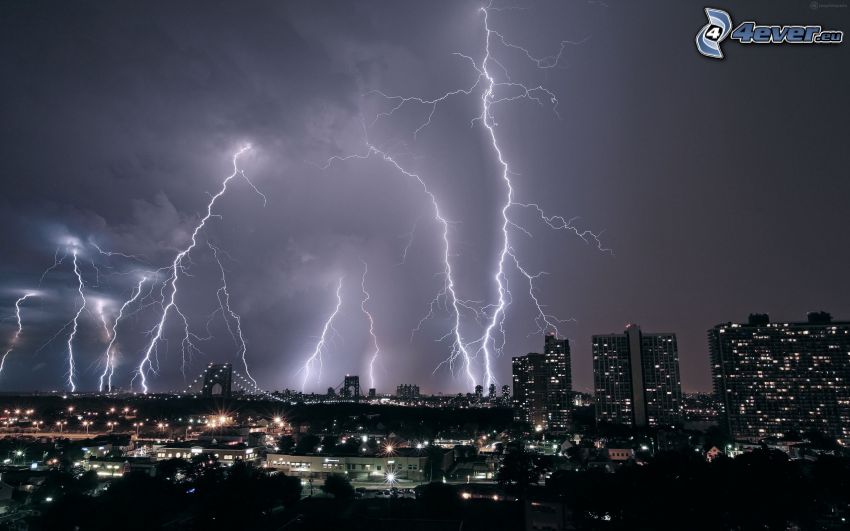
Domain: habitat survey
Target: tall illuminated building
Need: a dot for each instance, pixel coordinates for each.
(636, 378)
(542, 385)
(775, 378)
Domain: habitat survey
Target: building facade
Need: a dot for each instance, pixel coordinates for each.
(407, 391)
(774, 378)
(636, 378)
(404, 465)
(226, 453)
(543, 385)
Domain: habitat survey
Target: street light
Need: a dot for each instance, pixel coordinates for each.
(87, 423)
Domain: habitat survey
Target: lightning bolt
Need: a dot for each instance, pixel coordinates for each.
(169, 300)
(223, 296)
(75, 323)
(57, 261)
(496, 86)
(109, 361)
(100, 308)
(316, 355)
(17, 332)
(374, 337)
(409, 243)
(446, 296)
(103, 252)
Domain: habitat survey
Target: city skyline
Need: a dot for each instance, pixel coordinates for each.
(112, 157)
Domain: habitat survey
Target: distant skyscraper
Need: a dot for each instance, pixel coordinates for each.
(479, 392)
(218, 378)
(491, 392)
(773, 378)
(407, 391)
(373, 392)
(636, 378)
(559, 368)
(542, 386)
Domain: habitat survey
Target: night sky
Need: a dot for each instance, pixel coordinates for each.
(721, 186)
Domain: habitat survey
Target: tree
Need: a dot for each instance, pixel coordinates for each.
(439, 499)
(307, 444)
(435, 462)
(171, 468)
(338, 486)
(286, 444)
(328, 442)
(519, 469)
(286, 488)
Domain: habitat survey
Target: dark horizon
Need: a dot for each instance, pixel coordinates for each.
(719, 186)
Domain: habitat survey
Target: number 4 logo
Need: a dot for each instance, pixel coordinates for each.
(712, 34)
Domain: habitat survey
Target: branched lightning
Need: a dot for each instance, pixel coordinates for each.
(109, 356)
(316, 356)
(103, 252)
(223, 296)
(100, 308)
(447, 296)
(18, 331)
(57, 261)
(496, 86)
(75, 324)
(169, 289)
(377, 349)
(409, 243)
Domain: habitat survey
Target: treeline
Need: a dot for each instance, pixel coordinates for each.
(761, 489)
(201, 494)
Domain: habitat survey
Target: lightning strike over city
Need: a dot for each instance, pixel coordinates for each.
(228, 314)
(316, 358)
(374, 343)
(18, 330)
(601, 247)
(109, 354)
(491, 343)
(75, 323)
(170, 286)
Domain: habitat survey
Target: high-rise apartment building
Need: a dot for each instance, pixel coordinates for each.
(407, 391)
(775, 378)
(542, 386)
(636, 378)
(556, 353)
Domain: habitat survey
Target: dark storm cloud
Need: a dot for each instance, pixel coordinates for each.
(721, 186)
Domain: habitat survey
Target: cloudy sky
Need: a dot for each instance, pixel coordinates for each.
(721, 186)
